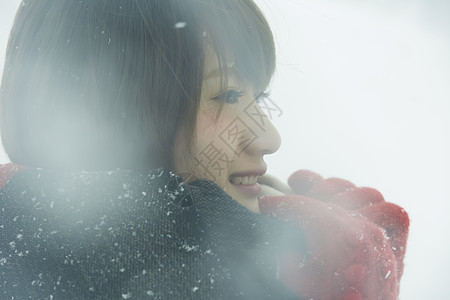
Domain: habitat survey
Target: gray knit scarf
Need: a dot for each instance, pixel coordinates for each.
(127, 235)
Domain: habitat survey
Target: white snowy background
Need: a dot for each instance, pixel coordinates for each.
(364, 86)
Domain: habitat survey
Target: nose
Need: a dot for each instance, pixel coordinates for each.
(267, 140)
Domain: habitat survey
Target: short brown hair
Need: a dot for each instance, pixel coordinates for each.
(105, 84)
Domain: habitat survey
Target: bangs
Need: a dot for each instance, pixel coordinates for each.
(241, 36)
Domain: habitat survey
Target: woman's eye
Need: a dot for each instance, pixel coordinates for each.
(230, 96)
(261, 96)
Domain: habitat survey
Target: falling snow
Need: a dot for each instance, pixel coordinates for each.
(180, 25)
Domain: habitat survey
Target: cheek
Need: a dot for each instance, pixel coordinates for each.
(213, 156)
(209, 130)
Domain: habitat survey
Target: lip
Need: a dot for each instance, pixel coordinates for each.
(255, 172)
(252, 190)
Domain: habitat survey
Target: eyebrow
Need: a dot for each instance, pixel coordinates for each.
(231, 71)
(217, 73)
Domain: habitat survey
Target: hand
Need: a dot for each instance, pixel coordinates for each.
(272, 186)
(355, 240)
(362, 200)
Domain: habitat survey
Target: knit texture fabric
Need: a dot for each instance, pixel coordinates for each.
(126, 235)
(355, 240)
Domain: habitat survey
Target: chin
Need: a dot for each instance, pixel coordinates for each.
(251, 203)
(247, 197)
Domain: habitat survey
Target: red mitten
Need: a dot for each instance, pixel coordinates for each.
(355, 240)
(367, 201)
(7, 171)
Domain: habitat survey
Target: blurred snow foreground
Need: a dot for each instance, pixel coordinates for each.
(132, 235)
(128, 235)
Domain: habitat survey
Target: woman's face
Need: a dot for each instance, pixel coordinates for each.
(229, 150)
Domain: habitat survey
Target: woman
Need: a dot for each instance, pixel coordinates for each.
(135, 85)
(101, 101)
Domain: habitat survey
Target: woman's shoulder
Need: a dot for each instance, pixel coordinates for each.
(120, 233)
(86, 233)
(88, 201)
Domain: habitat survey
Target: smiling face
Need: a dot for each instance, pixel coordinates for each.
(228, 149)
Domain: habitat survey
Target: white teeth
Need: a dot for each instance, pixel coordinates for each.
(236, 180)
(244, 180)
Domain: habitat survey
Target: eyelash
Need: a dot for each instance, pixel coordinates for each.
(235, 95)
(231, 94)
(261, 96)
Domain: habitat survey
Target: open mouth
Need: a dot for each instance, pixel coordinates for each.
(247, 185)
(245, 180)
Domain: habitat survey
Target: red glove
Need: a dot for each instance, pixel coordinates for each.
(355, 240)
